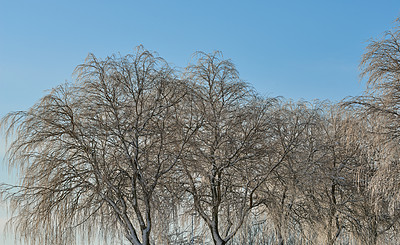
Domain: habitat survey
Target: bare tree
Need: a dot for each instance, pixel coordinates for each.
(379, 107)
(93, 155)
(340, 155)
(221, 171)
(292, 149)
(318, 193)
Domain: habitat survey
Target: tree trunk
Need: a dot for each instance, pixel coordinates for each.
(281, 241)
(216, 237)
(219, 241)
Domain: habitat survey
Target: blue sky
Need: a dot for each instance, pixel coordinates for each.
(296, 49)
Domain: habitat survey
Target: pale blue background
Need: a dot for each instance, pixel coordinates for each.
(296, 49)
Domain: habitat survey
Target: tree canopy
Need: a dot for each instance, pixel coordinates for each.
(134, 150)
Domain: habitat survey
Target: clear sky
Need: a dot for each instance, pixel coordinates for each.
(295, 49)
